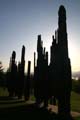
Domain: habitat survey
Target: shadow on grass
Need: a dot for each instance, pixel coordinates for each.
(10, 100)
(77, 118)
(30, 112)
(3, 98)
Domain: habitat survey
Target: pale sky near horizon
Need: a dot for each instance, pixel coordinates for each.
(22, 20)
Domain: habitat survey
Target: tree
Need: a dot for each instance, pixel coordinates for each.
(1, 75)
(1, 67)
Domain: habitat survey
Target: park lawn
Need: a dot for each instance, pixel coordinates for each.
(75, 99)
(3, 91)
(77, 118)
(75, 102)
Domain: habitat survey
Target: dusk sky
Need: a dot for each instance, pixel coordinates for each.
(22, 20)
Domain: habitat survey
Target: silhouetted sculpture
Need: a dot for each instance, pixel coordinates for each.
(33, 78)
(8, 77)
(60, 67)
(27, 83)
(52, 69)
(40, 74)
(34, 60)
(12, 75)
(21, 67)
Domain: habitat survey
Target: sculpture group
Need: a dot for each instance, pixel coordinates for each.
(50, 81)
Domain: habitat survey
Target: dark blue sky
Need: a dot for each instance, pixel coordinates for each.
(22, 20)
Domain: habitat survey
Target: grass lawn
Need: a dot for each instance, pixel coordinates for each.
(75, 101)
(3, 92)
(77, 118)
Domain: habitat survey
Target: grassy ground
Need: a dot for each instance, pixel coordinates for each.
(75, 101)
(77, 118)
(3, 92)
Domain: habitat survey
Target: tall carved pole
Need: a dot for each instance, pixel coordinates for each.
(12, 80)
(34, 60)
(60, 66)
(27, 83)
(21, 68)
(47, 58)
(64, 98)
(23, 59)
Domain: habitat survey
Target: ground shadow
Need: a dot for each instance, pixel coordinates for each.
(29, 112)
